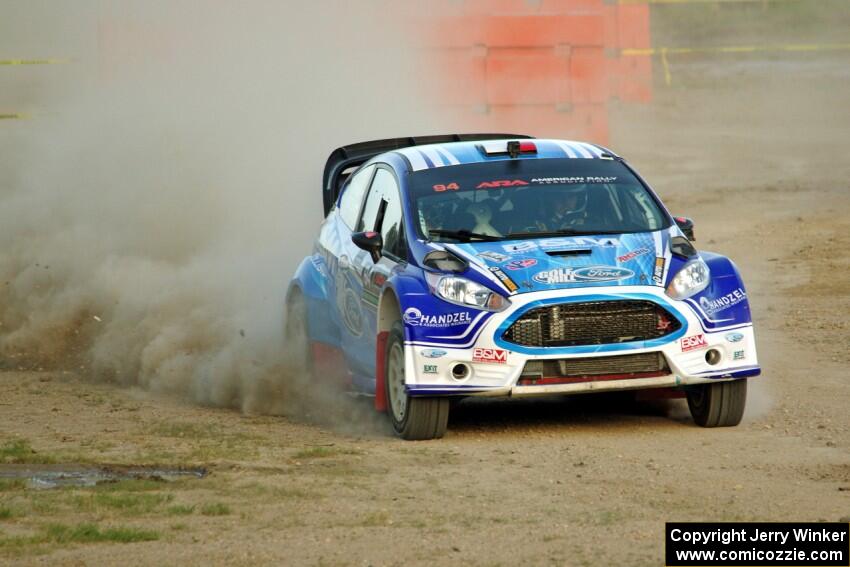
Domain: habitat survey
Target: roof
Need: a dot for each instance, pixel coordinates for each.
(458, 153)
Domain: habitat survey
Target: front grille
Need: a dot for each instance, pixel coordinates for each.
(591, 369)
(591, 323)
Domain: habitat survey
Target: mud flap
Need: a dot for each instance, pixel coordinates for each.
(380, 369)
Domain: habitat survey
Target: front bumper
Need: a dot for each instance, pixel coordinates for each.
(429, 366)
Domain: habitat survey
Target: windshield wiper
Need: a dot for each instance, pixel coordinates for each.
(562, 232)
(463, 235)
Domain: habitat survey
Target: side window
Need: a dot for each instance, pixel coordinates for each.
(352, 196)
(391, 227)
(373, 202)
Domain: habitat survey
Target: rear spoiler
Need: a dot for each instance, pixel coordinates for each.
(343, 161)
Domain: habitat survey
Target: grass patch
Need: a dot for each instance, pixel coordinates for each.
(322, 452)
(180, 510)
(130, 485)
(90, 533)
(131, 503)
(20, 451)
(12, 484)
(376, 519)
(217, 509)
(6, 513)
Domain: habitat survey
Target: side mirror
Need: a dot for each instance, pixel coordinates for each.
(686, 225)
(371, 242)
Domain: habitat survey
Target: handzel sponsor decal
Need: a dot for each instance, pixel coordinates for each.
(577, 275)
(506, 281)
(693, 343)
(490, 355)
(633, 254)
(415, 318)
(724, 302)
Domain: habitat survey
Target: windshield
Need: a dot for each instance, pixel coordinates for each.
(528, 198)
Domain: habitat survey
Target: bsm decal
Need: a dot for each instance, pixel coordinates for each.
(693, 343)
(490, 355)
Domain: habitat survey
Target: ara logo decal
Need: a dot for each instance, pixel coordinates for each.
(633, 254)
(433, 353)
(415, 318)
(521, 264)
(734, 337)
(493, 256)
(693, 343)
(578, 242)
(722, 303)
(589, 274)
(490, 355)
(501, 183)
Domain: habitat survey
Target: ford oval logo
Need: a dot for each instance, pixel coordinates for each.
(602, 274)
(734, 337)
(433, 353)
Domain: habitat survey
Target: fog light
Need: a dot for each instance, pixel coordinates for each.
(460, 371)
(713, 356)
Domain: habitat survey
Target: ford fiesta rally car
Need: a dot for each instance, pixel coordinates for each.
(501, 265)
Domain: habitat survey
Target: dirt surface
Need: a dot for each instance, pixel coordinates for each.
(755, 150)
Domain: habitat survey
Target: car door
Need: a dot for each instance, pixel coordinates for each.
(336, 247)
(382, 212)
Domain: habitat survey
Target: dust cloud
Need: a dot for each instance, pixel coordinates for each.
(155, 206)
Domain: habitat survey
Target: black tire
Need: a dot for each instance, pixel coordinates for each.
(413, 418)
(718, 405)
(297, 344)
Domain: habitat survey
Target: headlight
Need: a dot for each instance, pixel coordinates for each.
(462, 291)
(691, 279)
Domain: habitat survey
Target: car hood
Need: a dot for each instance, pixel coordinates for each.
(571, 262)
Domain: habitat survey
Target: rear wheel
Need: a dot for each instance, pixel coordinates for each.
(718, 405)
(413, 418)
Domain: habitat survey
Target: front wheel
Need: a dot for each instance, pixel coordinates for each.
(413, 418)
(718, 405)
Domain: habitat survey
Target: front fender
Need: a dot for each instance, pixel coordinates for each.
(724, 302)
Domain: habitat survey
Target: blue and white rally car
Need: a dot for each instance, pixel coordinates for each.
(501, 265)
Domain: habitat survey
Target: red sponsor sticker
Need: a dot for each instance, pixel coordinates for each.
(692, 343)
(490, 355)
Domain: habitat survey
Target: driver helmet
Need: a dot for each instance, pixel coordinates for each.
(570, 199)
